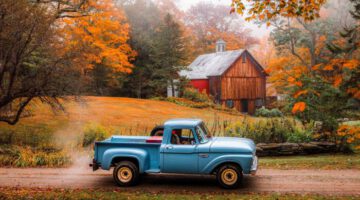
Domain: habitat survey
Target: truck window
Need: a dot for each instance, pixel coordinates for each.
(182, 137)
(201, 133)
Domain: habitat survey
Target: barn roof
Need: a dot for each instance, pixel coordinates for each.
(213, 64)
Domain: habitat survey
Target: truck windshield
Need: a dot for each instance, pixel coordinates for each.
(201, 133)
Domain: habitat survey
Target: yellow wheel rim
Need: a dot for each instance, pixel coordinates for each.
(125, 174)
(229, 176)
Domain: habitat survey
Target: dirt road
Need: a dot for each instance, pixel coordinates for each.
(329, 182)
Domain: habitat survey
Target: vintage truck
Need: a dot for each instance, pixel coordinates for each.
(182, 146)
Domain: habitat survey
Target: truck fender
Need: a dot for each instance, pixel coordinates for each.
(110, 154)
(243, 160)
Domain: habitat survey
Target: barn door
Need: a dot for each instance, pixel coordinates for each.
(244, 105)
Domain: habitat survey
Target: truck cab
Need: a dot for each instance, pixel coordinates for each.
(182, 146)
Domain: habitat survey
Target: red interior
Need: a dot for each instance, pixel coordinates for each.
(154, 139)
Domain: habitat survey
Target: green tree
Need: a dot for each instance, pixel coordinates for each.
(170, 55)
(161, 48)
(144, 18)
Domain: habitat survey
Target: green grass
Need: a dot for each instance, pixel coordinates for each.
(35, 193)
(337, 161)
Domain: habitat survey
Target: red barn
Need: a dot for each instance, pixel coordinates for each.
(233, 78)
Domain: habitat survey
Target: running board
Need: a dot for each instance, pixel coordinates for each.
(152, 171)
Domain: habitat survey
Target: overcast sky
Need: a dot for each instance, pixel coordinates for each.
(256, 31)
(185, 4)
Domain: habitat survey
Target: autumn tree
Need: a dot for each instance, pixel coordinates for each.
(32, 65)
(101, 39)
(48, 46)
(65, 9)
(209, 22)
(317, 68)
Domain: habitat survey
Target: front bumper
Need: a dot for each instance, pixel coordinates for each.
(254, 166)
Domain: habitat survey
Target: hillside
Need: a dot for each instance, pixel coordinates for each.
(133, 116)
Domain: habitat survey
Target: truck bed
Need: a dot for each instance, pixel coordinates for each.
(130, 143)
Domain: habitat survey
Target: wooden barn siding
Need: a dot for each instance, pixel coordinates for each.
(242, 88)
(243, 81)
(215, 87)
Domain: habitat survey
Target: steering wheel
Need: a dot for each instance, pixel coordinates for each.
(175, 139)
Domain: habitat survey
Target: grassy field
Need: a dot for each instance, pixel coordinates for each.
(337, 161)
(133, 116)
(15, 193)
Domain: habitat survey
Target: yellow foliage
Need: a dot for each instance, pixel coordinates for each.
(267, 10)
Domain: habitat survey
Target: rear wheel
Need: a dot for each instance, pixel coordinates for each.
(126, 173)
(229, 176)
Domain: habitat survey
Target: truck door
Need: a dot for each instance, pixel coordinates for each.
(180, 153)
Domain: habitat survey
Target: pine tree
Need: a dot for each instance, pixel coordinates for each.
(350, 34)
(143, 27)
(170, 54)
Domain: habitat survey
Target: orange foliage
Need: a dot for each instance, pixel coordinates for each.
(298, 107)
(354, 91)
(101, 37)
(299, 93)
(351, 64)
(338, 80)
(286, 73)
(328, 68)
(316, 67)
(350, 133)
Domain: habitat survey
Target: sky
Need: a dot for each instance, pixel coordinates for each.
(256, 30)
(185, 4)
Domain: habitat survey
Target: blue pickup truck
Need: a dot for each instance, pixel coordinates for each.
(182, 146)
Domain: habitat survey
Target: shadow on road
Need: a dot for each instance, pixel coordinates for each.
(177, 183)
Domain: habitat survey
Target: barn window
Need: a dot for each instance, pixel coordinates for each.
(244, 58)
(229, 103)
(259, 102)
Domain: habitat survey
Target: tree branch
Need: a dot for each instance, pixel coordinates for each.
(14, 120)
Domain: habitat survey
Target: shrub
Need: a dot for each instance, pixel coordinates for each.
(194, 95)
(349, 134)
(263, 112)
(270, 130)
(38, 136)
(94, 132)
(11, 155)
(301, 134)
(31, 146)
(188, 103)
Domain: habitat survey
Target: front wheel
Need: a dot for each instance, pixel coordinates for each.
(126, 174)
(229, 176)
